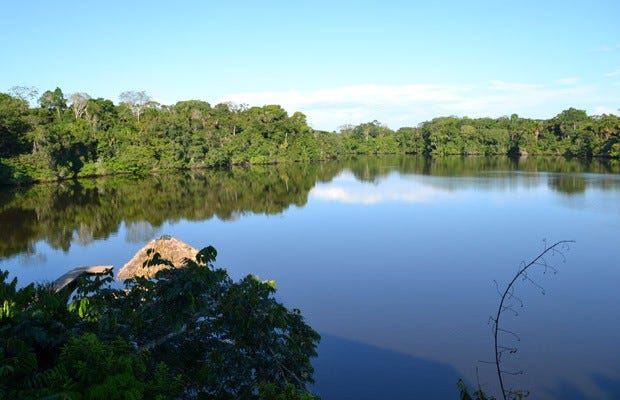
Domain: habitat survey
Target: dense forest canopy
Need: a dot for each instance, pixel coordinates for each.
(76, 135)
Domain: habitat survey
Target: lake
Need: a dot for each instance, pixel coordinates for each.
(392, 259)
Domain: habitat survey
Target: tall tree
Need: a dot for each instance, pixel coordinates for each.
(568, 122)
(136, 101)
(13, 125)
(79, 101)
(54, 101)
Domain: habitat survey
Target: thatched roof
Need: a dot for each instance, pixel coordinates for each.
(168, 247)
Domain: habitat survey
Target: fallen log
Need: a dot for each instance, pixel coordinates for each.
(68, 280)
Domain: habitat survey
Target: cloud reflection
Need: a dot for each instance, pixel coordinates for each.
(346, 189)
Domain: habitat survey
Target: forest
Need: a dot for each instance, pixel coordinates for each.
(71, 136)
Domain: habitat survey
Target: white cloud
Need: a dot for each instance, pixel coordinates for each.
(607, 49)
(332, 107)
(512, 86)
(613, 73)
(408, 105)
(600, 110)
(571, 80)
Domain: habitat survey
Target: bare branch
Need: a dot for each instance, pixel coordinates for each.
(508, 294)
(517, 337)
(512, 373)
(79, 101)
(136, 101)
(26, 93)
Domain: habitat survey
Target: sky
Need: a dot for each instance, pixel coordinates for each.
(338, 62)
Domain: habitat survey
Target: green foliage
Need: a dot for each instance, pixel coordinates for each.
(13, 126)
(479, 394)
(89, 368)
(139, 136)
(465, 395)
(288, 392)
(53, 101)
(190, 332)
(28, 168)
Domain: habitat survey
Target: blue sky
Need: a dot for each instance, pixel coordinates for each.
(339, 62)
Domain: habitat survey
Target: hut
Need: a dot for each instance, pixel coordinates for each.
(169, 248)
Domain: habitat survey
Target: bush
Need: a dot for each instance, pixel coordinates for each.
(189, 332)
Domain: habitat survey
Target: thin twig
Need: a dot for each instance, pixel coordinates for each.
(538, 260)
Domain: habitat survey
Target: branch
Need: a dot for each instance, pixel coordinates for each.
(508, 293)
(285, 369)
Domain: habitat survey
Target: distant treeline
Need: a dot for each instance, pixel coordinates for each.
(80, 136)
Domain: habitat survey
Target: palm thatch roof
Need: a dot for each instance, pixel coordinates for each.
(169, 248)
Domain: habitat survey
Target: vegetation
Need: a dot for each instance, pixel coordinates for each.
(80, 136)
(189, 333)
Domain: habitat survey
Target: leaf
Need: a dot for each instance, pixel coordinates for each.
(207, 255)
(82, 310)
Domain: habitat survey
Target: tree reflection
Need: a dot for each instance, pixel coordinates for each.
(87, 210)
(140, 232)
(92, 209)
(568, 184)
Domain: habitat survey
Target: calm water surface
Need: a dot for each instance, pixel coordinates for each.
(392, 260)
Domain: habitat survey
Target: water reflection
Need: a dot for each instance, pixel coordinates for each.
(347, 190)
(140, 232)
(393, 256)
(568, 184)
(87, 210)
(358, 371)
(602, 387)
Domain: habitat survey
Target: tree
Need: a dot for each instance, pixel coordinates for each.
(26, 93)
(568, 122)
(79, 102)
(101, 114)
(189, 332)
(54, 101)
(442, 136)
(136, 101)
(13, 125)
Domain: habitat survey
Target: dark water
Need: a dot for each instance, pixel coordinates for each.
(392, 259)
